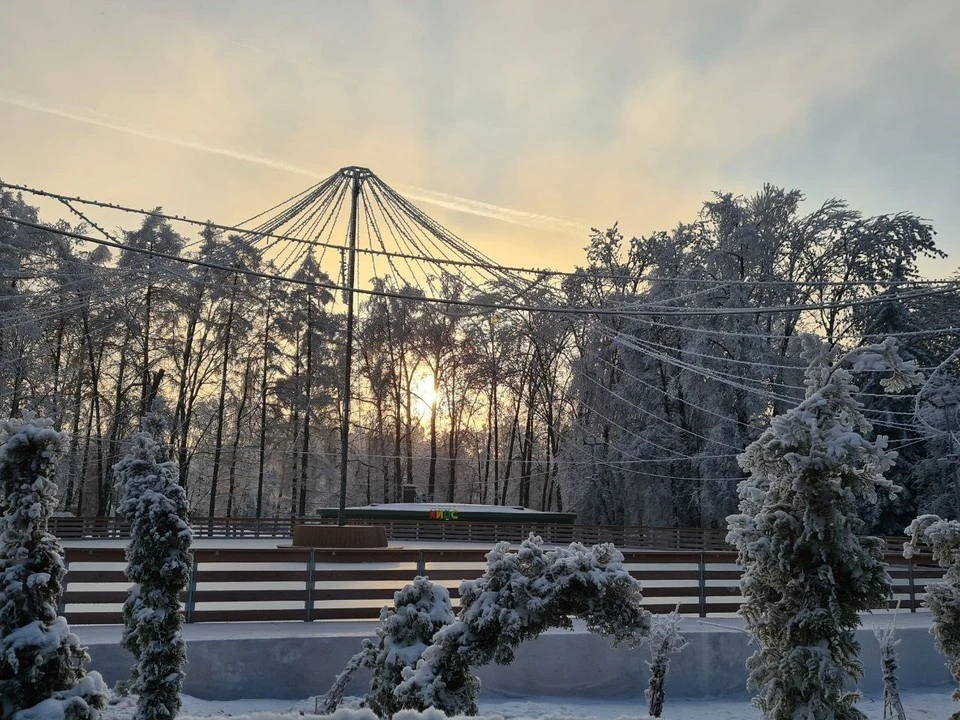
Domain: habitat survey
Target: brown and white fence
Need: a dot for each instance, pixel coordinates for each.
(251, 585)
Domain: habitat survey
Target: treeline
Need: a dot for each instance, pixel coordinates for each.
(629, 417)
(676, 393)
(249, 373)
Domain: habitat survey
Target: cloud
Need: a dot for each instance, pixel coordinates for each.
(549, 116)
(445, 200)
(8, 98)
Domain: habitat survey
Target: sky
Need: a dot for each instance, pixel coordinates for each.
(568, 114)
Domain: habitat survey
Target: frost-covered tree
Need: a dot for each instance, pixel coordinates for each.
(41, 662)
(406, 630)
(807, 573)
(889, 663)
(665, 640)
(943, 597)
(520, 595)
(158, 563)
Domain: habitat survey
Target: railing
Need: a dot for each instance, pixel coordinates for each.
(237, 585)
(630, 536)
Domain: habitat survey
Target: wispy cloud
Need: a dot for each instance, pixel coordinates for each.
(451, 202)
(475, 207)
(27, 103)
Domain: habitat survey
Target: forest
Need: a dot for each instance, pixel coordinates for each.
(623, 390)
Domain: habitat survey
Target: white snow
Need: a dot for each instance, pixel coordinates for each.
(918, 705)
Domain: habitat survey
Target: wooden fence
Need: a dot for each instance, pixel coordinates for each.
(237, 585)
(639, 537)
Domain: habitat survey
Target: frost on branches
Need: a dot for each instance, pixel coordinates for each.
(41, 662)
(158, 563)
(806, 572)
(943, 597)
(889, 664)
(665, 640)
(406, 629)
(520, 595)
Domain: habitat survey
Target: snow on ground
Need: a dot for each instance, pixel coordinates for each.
(917, 704)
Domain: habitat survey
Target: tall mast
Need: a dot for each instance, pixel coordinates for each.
(356, 174)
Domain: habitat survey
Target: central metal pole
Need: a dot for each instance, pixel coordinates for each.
(348, 353)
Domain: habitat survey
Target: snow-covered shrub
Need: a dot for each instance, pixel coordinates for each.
(406, 629)
(158, 563)
(806, 572)
(889, 663)
(943, 597)
(41, 662)
(665, 640)
(520, 595)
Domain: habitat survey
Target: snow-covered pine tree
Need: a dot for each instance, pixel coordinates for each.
(158, 563)
(41, 662)
(943, 597)
(806, 572)
(521, 594)
(665, 640)
(406, 630)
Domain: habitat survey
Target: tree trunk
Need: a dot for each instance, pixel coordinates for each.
(432, 477)
(95, 404)
(83, 462)
(116, 423)
(452, 460)
(305, 458)
(244, 394)
(263, 399)
(74, 434)
(218, 447)
(145, 377)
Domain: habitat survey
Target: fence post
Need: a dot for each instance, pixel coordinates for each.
(913, 587)
(311, 567)
(191, 592)
(703, 586)
(421, 563)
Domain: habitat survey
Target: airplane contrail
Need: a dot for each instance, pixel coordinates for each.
(451, 202)
(476, 207)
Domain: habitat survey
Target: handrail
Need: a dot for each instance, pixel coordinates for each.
(623, 536)
(459, 531)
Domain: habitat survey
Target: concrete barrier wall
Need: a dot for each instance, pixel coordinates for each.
(297, 660)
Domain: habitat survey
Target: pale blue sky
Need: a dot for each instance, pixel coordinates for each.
(587, 111)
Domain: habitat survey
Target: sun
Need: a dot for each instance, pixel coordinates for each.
(423, 393)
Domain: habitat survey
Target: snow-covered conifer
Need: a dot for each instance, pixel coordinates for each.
(406, 630)
(158, 563)
(665, 640)
(943, 597)
(521, 594)
(807, 573)
(41, 662)
(889, 663)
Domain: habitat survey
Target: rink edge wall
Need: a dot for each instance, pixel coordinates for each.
(572, 664)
